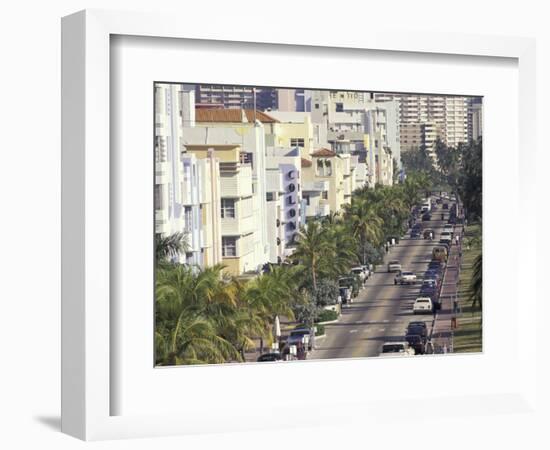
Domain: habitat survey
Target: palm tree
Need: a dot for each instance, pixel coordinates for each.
(476, 283)
(365, 223)
(342, 251)
(312, 245)
(192, 310)
(170, 246)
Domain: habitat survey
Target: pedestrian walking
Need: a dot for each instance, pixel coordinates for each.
(456, 239)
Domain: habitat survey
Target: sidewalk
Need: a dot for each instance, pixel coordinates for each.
(442, 332)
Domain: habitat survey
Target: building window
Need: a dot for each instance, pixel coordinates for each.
(297, 142)
(269, 196)
(228, 208)
(229, 246)
(158, 196)
(339, 107)
(188, 218)
(306, 198)
(324, 195)
(316, 105)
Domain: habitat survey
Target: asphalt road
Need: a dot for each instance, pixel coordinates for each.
(381, 311)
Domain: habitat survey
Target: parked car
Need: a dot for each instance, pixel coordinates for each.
(445, 237)
(426, 216)
(345, 295)
(270, 357)
(415, 233)
(296, 337)
(397, 349)
(394, 266)
(445, 205)
(353, 282)
(367, 269)
(423, 305)
(360, 272)
(404, 277)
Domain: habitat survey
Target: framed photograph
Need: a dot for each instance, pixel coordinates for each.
(250, 227)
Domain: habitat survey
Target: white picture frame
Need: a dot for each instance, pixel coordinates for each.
(86, 218)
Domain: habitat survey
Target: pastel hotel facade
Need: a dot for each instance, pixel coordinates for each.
(240, 183)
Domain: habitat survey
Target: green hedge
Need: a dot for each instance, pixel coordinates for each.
(326, 315)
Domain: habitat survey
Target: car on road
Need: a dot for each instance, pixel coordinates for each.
(353, 282)
(345, 295)
(445, 205)
(396, 349)
(418, 327)
(445, 237)
(429, 283)
(404, 277)
(360, 272)
(439, 253)
(426, 216)
(423, 305)
(270, 357)
(394, 266)
(448, 227)
(415, 233)
(297, 335)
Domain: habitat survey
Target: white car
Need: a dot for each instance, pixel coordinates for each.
(405, 278)
(397, 349)
(360, 272)
(446, 236)
(423, 305)
(448, 227)
(394, 266)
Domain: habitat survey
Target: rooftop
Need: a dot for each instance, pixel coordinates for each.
(323, 152)
(231, 115)
(306, 163)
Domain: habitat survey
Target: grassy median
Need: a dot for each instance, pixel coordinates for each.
(468, 335)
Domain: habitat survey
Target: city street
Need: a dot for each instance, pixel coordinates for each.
(382, 310)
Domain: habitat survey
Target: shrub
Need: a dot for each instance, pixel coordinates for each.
(320, 330)
(326, 315)
(326, 293)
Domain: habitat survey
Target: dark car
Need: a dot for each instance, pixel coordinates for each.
(419, 328)
(270, 357)
(417, 324)
(433, 274)
(426, 217)
(429, 283)
(416, 342)
(415, 233)
(445, 206)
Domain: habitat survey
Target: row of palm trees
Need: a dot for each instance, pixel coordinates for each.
(203, 315)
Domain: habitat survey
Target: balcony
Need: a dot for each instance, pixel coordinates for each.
(237, 184)
(162, 170)
(161, 221)
(315, 186)
(238, 226)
